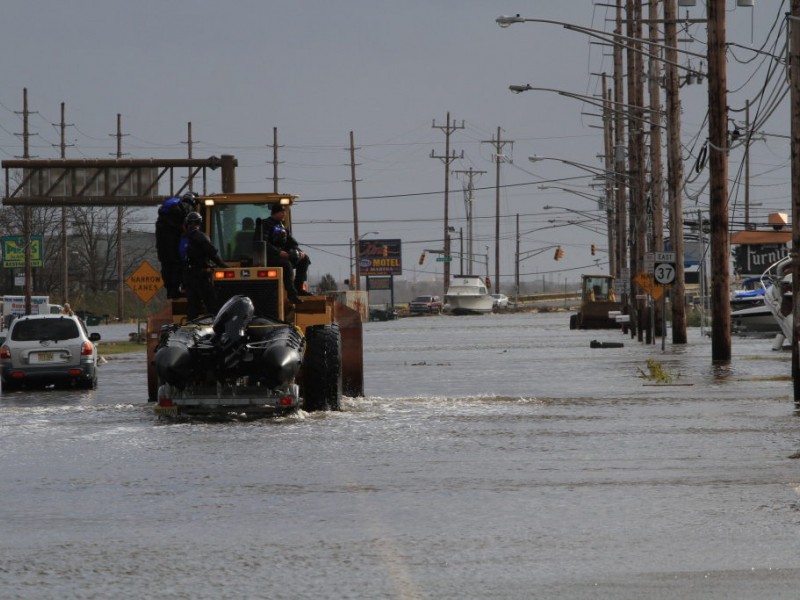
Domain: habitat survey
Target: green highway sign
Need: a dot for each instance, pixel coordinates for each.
(444, 259)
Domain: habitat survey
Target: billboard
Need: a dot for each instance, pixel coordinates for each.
(380, 257)
(13, 247)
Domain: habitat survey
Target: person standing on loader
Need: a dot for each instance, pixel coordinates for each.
(199, 254)
(169, 229)
(284, 251)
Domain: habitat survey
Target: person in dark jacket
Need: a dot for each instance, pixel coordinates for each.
(284, 251)
(200, 255)
(169, 229)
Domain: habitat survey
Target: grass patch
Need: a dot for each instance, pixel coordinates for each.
(108, 348)
(656, 372)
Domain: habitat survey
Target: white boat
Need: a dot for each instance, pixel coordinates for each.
(754, 319)
(467, 295)
(777, 284)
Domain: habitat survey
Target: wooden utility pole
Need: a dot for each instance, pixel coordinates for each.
(718, 189)
(794, 83)
(120, 209)
(675, 174)
(189, 153)
(498, 144)
(468, 204)
(357, 240)
(655, 207)
(448, 157)
(275, 162)
(608, 152)
(747, 139)
(638, 221)
(26, 213)
(64, 233)
(620, 180)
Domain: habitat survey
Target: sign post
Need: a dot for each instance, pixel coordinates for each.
(664, 272)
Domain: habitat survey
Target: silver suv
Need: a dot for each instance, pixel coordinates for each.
(42, 350)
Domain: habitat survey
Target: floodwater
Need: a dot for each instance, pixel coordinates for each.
(496, 456)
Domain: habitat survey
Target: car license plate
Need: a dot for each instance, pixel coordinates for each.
(44, 356)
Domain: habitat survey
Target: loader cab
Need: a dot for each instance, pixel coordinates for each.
(230, 220)
(597, 287)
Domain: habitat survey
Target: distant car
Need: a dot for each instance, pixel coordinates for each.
(425, 304)
(500, 300)
(41, 350)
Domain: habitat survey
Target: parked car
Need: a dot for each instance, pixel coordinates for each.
(500, 300)
(41, 350)
(425, 304)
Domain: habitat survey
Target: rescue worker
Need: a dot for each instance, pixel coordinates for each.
(169, 229)
(200, 254)
(284, 251)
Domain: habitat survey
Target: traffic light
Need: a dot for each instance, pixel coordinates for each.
(558, 254)
(422, 258)
(593, 249)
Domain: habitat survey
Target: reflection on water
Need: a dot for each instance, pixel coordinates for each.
(492, 456)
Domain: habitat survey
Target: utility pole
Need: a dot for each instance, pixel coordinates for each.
(498, 158)
(718, 189)
(189, 153)
(516, 265)
(275, 161)
(64, 237)
(357, 249)
(468, 204)
(748, 138)
(636, 160)
(794, 88)
(447, 159)
(608, 158)
(655, 206)
(120, 270)
(26, 212)
(620, 182)
(675, 174)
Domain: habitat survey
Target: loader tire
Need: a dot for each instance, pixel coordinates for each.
(322, 367)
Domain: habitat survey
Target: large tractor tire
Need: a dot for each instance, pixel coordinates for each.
(322, 368)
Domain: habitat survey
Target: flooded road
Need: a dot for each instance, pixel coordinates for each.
(493, 457)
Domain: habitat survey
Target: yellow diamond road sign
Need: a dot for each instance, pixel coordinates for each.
(145, 282)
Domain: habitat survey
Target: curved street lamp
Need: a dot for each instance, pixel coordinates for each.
(617, 39)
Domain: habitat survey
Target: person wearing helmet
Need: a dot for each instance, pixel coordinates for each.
(169, 230)
(284, 251)
(199, 255)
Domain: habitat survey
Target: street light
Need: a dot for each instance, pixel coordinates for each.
(586, 195)
(600, 171)
(586, 214)
(607, 104)
(354, 267)
(616, 39)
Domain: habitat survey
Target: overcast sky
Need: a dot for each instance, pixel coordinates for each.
(388, 70)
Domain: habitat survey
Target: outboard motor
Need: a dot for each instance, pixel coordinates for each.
(230, 327)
